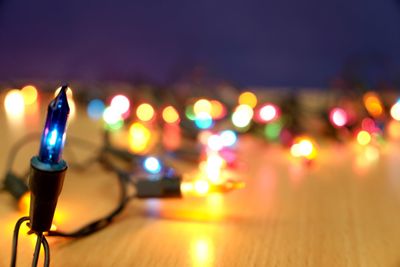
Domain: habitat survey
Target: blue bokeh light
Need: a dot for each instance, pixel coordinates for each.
(228, 137)
(95, 109)
(203, 121)
(152, 165)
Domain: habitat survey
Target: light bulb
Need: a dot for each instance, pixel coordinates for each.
(53, 135)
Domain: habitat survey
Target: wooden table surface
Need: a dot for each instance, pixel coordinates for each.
(343, 210)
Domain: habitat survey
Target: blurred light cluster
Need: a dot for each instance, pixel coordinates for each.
(304, 147)
(18, 102)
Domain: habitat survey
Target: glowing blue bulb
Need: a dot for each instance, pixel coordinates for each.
(203, 121)
(152, 165)
(228, 138)
(53, 136)
(95, 109)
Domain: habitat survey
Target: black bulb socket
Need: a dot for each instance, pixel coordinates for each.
(45, 183)
(166, 187)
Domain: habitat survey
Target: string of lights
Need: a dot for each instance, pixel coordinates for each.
(203, 128)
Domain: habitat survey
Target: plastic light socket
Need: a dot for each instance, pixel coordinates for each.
(45, 183)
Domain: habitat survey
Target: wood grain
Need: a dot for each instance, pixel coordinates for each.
(342, 210)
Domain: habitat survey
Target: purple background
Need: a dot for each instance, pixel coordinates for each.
(252, 43)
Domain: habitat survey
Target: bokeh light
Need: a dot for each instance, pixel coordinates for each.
(189, 113)
(139, 137)
(248, 98)
(304, 147)
(29, 94)
(213, 168)
(202, 106)
(218, 110)
(171, 136)
(228, 138)
(145, 112)
(201, 187)
(112, 118)
(152, 165)
(369, 125)
(203, 120)
(268, 113)
(14, 103)
(242, 116)
(393, 129)
(373, 104)
(170, 115)
(395, 111)
(95, 109)
(364, 138)
(338, 117)
(273, 130)
(215, 143)
(121, 104)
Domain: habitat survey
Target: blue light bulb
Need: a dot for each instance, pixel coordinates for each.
(53, 135)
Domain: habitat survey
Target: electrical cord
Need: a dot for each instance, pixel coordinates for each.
(41, 240)
(37, 249)
(122, 178)
(100, 223)
(125, 179)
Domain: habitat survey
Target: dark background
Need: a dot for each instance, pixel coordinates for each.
(251, 43)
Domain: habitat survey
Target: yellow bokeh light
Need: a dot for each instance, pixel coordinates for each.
(139, 137)
(304, 147)
(242, 116)
(145, 112)
(248, 98)
(170, 115)
(201, 187)
(373, 104)
(14, 103)
(202, 106)
(186, 188)
(218, 110)
(363, 138)
(29, 94)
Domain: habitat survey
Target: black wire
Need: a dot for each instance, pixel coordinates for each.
(37, 250)
(104, 221)
(123, 181)
(41, 240)
(46, 252)
(15, 240)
